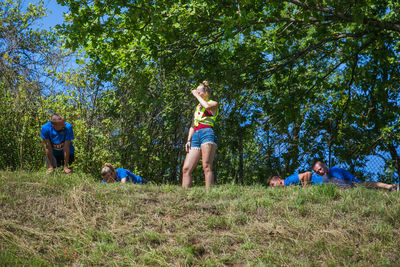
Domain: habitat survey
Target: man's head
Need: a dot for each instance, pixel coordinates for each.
(320, 168)
(57, 122)
(275, 181)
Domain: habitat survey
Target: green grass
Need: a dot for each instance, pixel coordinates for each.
(58, 219)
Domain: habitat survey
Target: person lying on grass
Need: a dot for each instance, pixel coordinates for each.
(110, 175)
(308, 178)
(343, 178)
(303, 179)
(338, 176)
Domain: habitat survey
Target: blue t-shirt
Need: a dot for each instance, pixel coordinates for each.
(336, 172)
(294, 179)
(130, 177)
(58, 138)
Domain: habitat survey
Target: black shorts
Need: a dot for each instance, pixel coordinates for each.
(58, 161)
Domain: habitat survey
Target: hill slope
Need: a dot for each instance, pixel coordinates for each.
(72, 220)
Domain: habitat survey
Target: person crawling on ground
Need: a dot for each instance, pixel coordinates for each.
(110, 175)
(304, 179)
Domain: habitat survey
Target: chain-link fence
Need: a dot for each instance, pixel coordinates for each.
(378, 164)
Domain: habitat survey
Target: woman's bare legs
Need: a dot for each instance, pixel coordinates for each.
(207, 153)
(191, 161)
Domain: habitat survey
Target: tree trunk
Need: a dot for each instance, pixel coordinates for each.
(240, 148)
(396, 159)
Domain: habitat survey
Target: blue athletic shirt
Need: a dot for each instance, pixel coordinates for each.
(340, 173)
(122, 173)
(294, 179)
(58, 138)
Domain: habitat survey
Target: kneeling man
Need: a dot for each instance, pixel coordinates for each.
(57, 135)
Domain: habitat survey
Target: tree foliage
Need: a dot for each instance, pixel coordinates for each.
(296, 81)
(24, 53)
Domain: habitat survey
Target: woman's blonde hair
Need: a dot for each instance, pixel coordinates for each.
(206, 87)
(107, 168)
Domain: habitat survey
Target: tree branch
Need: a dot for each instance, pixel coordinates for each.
(368, 21)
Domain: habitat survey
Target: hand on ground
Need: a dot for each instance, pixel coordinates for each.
(67, 170)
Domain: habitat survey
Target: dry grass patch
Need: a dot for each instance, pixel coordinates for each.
(73, 220)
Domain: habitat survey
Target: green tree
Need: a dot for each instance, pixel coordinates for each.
(313, 71)
(24, 55)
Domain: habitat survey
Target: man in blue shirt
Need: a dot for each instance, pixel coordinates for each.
(343, 178)
(57, 135)
(304, 179)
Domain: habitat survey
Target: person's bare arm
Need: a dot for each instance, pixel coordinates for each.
(212, 105)
(190, 135)
(49, 154)
(305, 178)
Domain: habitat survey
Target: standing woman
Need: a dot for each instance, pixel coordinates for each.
(201, 139)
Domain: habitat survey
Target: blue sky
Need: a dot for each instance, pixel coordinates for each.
(55, 15)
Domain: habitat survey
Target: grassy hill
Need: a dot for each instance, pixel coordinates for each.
(73, 220)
